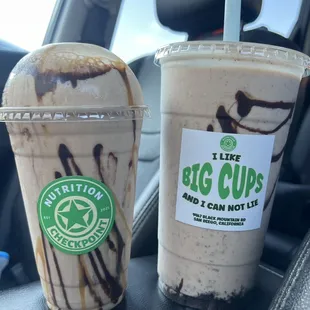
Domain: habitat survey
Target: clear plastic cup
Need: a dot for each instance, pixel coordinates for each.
(226, 112)
(74, 114)
(70, 161)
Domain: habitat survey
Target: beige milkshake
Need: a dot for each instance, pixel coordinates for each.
(74, 114)
(226, 112)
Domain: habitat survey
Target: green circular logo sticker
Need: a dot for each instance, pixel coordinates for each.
(76, 213)
(228, 143)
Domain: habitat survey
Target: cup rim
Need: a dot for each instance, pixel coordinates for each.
(54, 114)
(235, 50)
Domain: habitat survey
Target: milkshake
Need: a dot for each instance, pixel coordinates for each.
(74, 115)
(226, 112)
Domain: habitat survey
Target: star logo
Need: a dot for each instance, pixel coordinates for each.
(228, 143)
(76, 214)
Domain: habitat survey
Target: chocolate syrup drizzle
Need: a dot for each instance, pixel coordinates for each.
(244, 107)
(60, 278)
(111, 285)
(97, 151)
(88, 284)
(179, 287)
(47, 81)
(66, 158)
(111, 244)
(48, 269)
(210, 128)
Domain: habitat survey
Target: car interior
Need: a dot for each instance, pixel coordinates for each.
(283, 279)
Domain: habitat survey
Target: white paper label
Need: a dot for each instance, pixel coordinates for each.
(223, 179)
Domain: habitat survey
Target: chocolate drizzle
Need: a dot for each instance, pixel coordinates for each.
(60, 278)
(47, 81)
(179, 287)
(57, 175)
(123, 73)
(227, 123)
(112, 167)
(97, 151)
(87, 282)
(115, 287)
(26, 133)
(103, 283)
(48, 269)
(111, 244)
(244, 107)
(134, 125)
(120, 249)
(66, 158)
(210, 128)
(245, 104)
(110, 285)
(276, 157)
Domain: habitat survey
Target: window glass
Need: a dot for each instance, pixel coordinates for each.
(24, 23)
(138, 31)
(278, 16)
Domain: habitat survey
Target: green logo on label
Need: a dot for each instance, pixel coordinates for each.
(228, 143)
(76, 213)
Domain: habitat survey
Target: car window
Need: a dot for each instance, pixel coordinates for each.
(24, 23)
(283, 22)
(138, 31)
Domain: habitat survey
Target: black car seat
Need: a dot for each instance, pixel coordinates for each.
(149, 78)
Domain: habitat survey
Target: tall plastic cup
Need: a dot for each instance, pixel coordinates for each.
(74, 115)
(226, 112)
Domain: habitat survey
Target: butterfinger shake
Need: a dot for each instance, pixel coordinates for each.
(226, 112)
(74, 114)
